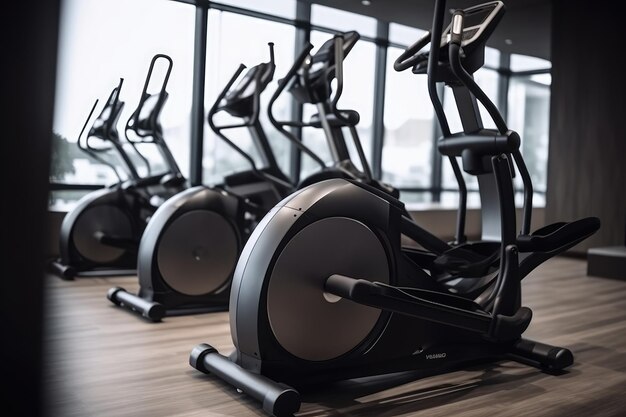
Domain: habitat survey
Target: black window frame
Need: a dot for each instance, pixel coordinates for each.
(303, 26)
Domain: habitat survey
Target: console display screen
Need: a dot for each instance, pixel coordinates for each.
(477, 18)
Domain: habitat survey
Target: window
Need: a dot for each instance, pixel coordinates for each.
(528, 63)
(529, 115)
(234, 39)
(284, 8)
(358, 94)
(409, 128)
(492, 58)
(97, 46)
(404, 35)
(329, 17)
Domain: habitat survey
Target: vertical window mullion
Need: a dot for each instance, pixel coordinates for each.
(303, 37)
(504, 77)
(378, 124)
(197, 98)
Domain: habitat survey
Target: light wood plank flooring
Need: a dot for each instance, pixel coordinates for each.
(103, 361)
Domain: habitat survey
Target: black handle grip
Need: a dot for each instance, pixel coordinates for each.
(411, 55)
(271, 45)
(456, 32)
(80, 135)
(166, 78)
(221, 96)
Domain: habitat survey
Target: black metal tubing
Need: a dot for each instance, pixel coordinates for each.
(88, 150)
(258, 135)
(433, 63)
(149, 309)
(528, 192)
(339, 57)
(525, 73)
(359, 149)
(198, 3)
(436, 158)
(57, 186)
(111, 135)
(156, 133)
(218, 129)
(394, 299)
(337, 32)
(303, 38)
(468, 81)
(378, 123)
(503, 85)
(251, 123)
(280, 125)
(449, 190)
(508, 235)
(197, 100)
(278, 399)
(423, 237)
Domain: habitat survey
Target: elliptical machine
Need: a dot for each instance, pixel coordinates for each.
(101, 234)
(323, 290)
(309, 81)
(190, 247)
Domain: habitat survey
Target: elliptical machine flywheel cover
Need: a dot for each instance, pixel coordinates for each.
(197, 253)
(306, 321)
(107, 219)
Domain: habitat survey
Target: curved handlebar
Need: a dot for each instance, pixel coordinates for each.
(271, 45)
(78, 141)
(112, 103)
(167, 74)
(218, 129)
(256, 105)
(132, 120)
(271, 65)
(91, 151)
(339, 57)
(221, 96)
(454, 52)
(411, 55)
(456, 32)
(282, 84)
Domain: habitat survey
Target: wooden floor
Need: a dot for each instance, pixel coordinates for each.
(103, 361)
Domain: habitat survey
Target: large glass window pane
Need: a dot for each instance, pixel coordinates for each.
(528, 63)
(341, 20)
(404, 35)
(492, 57)
(65, 200)
(283, 8)
(97, 46)
(529, 115)
(451, 199)
(358, 94)
(413, 199)
(235, 39)
(409, 124)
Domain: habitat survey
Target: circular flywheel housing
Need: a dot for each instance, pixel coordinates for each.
(306, 321)
(107, 220)
(197, 252)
